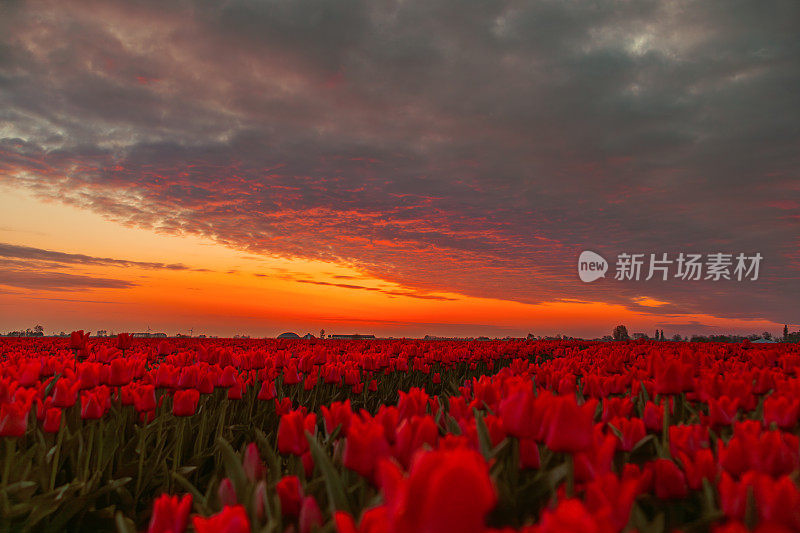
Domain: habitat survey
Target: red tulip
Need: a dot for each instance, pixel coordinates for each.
(568, 517)
(232, 519)
(170, 514)
(144, 398)
(528, 454)
(517, 411)
(13, 419)
(365, 446)
(92, 407)
(722, 411)
(124, 341)
(448, 490)
(227, 378)
(290, 495)
(338, 415)
(52, 420)
(570, 425)
(253, 467)
(291, 432)
(267, 391)
(310, 515)
(669, 480)
(374, 520)
(414, 433)
(283, 407)
(672, 377)
(290, 376)
(120, 373)
(77, 340)
(226, 492)
(781, 411)
(184, 402)
(631, 432)
(653, 417)
(698, 467)
(611, 499)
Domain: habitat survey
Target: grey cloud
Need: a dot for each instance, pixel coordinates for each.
(37, 254)
(58, 281)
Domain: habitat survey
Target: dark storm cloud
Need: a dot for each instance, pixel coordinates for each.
(444, 145)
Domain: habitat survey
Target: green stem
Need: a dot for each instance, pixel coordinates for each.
(56, 457)
(199, 444)
(570, 475)
(89, 451)
(140, 447)
(176, 457)
(11, 444)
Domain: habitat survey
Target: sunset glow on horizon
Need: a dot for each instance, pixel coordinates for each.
(380, 168)
(221, 291)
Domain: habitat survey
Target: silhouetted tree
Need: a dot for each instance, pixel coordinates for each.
(785, 331)
(620, 333)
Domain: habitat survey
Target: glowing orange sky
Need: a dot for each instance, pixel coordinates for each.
(236, 292)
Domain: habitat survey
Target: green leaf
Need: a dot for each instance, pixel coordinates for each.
(643, 442)
(198, 499)
(233, 467)
(76, 505)
(124, 525)
(484, 442)
(273, 461)
(51, 385)
(333, 483)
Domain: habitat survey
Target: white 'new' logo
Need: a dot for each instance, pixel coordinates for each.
(591, 266)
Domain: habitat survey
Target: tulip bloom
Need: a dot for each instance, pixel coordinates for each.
(291, 432)
(290, 494)
(77, 340)
(184, 402)
(124, 341)
(339, 414)
(570, 515)
(517, 411)
(447, 490)
(52, 420)
(91, 406)
(170, 514)
(226, 492)
(310, 515)
(669, 480)
(232, 519)
(253, 467)
(570, 425)
(365, 446)
(13, 419)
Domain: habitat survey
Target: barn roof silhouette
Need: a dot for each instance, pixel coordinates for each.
(288, 335)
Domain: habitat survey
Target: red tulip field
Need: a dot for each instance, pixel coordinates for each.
(223, 435)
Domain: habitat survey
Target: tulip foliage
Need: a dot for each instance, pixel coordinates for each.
(396, 436)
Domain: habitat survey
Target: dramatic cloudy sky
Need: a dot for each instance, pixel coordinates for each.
(402, 167)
